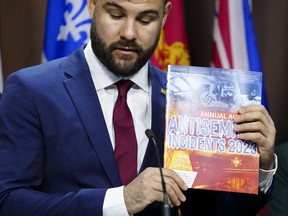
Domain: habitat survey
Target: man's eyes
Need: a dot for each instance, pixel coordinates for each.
(116, 15)
(145, 20)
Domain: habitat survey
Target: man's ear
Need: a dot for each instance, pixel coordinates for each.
(167, 9)
(91, 6)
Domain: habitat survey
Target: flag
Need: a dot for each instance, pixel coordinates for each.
(173, 46)
(67, 27)
(234, 40)
(1, 74)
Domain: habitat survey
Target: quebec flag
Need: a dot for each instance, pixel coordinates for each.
(67, 27)
(234, 40)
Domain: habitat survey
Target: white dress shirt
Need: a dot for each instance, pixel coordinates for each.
(138, 100)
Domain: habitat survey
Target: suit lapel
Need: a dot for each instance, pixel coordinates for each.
(159, 80)
(83, 94)
(80, 87)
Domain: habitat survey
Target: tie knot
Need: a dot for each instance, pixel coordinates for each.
(123, 87)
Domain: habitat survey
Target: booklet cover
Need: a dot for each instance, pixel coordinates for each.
(200, 143)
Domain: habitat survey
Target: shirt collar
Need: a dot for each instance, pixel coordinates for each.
(103, 78)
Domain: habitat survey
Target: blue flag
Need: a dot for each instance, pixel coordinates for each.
(67, 27)
(252, 48)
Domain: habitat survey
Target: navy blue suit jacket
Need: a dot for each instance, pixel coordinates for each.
(55, 152)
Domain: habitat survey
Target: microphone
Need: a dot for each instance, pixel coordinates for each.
(166, 209)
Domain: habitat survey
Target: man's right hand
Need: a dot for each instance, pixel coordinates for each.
(146, 188)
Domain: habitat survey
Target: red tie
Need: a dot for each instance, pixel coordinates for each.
(125, 138)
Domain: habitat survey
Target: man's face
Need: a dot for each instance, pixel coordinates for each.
(125, 33)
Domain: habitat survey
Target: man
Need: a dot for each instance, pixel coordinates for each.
(57, 138)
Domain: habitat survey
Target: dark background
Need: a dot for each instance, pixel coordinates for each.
(22, 30)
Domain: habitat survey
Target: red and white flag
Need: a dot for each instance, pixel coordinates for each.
(234, 41)
(172, 47)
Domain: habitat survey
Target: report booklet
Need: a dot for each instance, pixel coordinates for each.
(200, 142)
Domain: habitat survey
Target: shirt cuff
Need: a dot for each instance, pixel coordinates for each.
(266, 177)
(114, 203)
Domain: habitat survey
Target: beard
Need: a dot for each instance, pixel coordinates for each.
(126, 66)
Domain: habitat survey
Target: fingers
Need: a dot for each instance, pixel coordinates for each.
(174, 187)
(254, 114)
(255, 124)
(147, 188)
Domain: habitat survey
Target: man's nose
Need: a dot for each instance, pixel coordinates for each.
(128, 30)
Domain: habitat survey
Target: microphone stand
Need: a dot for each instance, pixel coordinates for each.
(166, 209)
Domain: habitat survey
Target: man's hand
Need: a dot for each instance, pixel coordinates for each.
(255, 124)
(146, 188)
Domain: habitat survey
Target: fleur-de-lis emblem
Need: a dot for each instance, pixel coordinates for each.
(77, 21)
